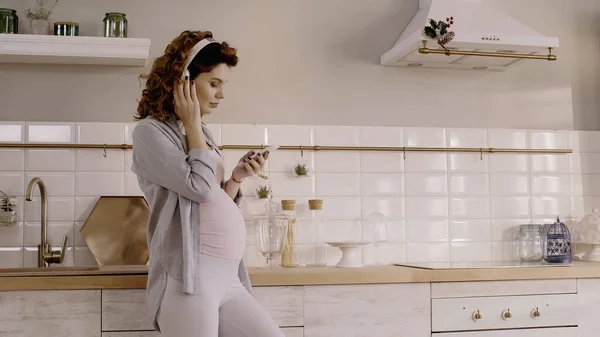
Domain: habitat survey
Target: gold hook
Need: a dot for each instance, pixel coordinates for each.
(481, 154)
(104, 154)
(301, 151)
(404, 153)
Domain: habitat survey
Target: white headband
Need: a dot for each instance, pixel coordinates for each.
(195, 50)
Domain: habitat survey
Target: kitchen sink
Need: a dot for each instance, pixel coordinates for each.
(47, 270)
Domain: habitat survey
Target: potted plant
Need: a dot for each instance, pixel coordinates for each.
(263, 191)
(39, 17)
(301, 170)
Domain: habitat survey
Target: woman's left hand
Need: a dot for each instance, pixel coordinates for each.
(248, 167)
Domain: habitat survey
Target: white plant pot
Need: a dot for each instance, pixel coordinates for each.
(40, 27)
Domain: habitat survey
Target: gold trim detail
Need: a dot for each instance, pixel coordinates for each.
(448, 52)
(305, 148)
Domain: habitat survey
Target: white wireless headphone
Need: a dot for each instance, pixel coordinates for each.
(195, 50)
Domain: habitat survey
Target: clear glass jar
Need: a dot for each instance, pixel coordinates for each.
(270, 228)
(530, 244)
(115, 25)
(289, 256)
(316, 254)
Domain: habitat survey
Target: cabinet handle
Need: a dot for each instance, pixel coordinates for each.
(536, 313)
(506, 314)
(477, 316)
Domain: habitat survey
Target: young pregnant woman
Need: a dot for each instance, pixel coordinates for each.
(198, 284)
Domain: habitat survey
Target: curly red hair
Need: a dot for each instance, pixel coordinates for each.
(157, 97)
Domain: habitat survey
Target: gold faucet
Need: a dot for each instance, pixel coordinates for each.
(45, 253)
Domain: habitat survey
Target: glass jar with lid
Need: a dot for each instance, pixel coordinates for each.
(289, 257)
(270, 228)
(529, 243)
(9, 21)
(316, 254)
(115, 25)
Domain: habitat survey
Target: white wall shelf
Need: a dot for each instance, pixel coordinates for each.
(51, 49)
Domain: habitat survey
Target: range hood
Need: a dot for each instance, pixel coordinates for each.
(484, 39)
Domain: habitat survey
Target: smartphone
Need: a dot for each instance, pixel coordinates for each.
(268, 148)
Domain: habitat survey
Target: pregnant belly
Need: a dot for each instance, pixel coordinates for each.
(223, 227)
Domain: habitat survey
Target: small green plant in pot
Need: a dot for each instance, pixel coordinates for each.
(263, 191)
(301, 170)
(39, 17)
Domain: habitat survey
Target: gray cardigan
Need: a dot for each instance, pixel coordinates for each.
(174, 181)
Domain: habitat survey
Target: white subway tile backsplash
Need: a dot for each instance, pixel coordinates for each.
(292, 135)
(337, 184)
(426, 184)
(426, 207)
(419, 162)
(58, 184)
(100, 133)
(60, 209)
(381, 162)
(337, 161)
(328, 135)
(509, 163)
(50, 160)
(12, 160)
(549, 163)
(470, 207)
(381, 136)
(382, 184)
(427, 252)
(468, 184)
(550, 184)
(509, 184)
(470, 251)
(99, 183)
(510, 139)
(470, 230)
(419, 231)
(12, 132)
(425, 137)
(468, 163)
(11, 236)
(11, 257)
(50, 132)
(459, 207)
(510, 207)
(466, 138)
(549, 139)
(94, 161)
(391, 207)
(11, 183)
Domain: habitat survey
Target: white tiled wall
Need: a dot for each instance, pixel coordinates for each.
(440, 206)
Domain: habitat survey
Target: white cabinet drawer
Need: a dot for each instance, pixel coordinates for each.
(457, 314)
(551, 332)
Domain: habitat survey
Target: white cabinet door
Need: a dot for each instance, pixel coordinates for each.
(370, 310)
(550, 332)
(589, 304)
(125, 309)
(50, 313)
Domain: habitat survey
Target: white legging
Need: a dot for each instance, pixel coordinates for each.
(224, 308)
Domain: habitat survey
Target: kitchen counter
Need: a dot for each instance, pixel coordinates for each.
(134, 277)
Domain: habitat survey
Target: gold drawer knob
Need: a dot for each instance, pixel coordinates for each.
(506, 314)
(477, 316)
(536, 313)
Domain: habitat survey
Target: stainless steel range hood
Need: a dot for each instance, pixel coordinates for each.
(484, 39)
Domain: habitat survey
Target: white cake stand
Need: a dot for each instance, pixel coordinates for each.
(351, 256)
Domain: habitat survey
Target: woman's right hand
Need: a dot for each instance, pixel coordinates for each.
(187, 106)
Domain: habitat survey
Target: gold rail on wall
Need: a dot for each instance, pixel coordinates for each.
(448, 52)
(307, 148)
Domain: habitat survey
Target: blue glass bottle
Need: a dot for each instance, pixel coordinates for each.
(558, 243)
